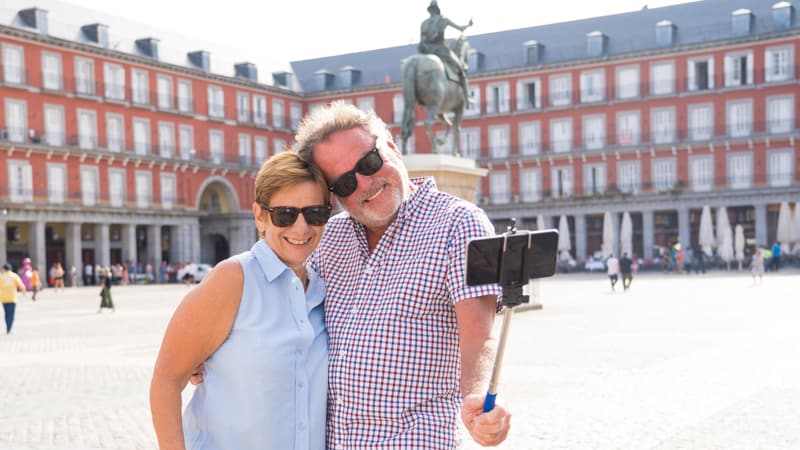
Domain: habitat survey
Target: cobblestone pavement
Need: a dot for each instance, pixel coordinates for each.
(677, 362)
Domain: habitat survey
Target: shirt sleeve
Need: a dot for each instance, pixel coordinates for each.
(470, 223)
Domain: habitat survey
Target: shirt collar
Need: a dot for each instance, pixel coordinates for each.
(423, 186)
(272, 266)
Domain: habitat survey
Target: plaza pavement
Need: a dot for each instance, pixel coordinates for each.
(678, 362)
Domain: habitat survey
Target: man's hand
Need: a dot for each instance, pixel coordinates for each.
(197, 375)
(487, 429)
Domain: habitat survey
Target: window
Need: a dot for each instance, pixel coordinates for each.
(87, 129)
(141, 136)
(114, 76)
(185, 96)
(144, 189)
(398, 105)
(242, 107)
(216, 102)
(498, 141)
(166, 139)
(20, 181)
(779, 64)
(663, 174)
(701, 173)
(561, 135)
(51, 72)
(244, 149)
(56, 183)
(780, 168)
(84, 76)
(740, 170)
(701, 122)
(628, 128)
(167, 190)
(278, 114)
(366, 104)
(530, 138)
(739, 69)
(662, 78)
(16, 120)
(470, 142)
(594, 132)
(529, 94)
(629, 176)
(740, 118)
(594, 178)
(164, 91)
(562, 181)
(497, 98)
(140, 85)
(116, 187)
(279, 145)
(295, 114)
(54, 125)
(89, 192)
(627, 82)
(216, 146)
(530, 185)
(780, 114)
(560, 90)
(260, 149)
(473, 108)
(662, 125)
(701, 73)
(500, 186)
(186, 141)
(260, 110)
(592, 86)
(115, 134)
(13, 64)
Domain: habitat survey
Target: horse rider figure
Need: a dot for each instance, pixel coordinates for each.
(432, 42)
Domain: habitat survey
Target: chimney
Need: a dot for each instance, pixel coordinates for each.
(350, 76)
(246, 70)
(96, 33)
(324, 79)
(147, 47)
(782, 14)
(474, 60)
(34, 18)
(665, 33)
(534, 53)
(595, 44)
(742, 22)
(200, 59)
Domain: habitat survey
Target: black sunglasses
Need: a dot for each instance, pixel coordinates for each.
(284, 216)
(367, 165)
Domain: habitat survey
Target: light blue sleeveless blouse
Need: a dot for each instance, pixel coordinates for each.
(266, 386)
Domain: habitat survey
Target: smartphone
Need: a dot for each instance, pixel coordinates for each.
(528, 255)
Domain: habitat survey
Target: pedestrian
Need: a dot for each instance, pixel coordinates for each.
(36, 283)
(88, 274)
(775, 262)
(266, 339)
(612, 264)
(106, 301)
(688, 259)
(700, 260)
(59, 277)
(73, 275)
(757, 266)
(9, 283)
(162, 272)
(626, 268)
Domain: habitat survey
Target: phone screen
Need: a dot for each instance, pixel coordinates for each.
(528, 255)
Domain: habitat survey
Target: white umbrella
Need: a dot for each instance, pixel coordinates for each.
(738, 244)
(564, 245)
(784, 232)
(724, 236)
(626, 235)
(705, 236)
(540, 222)
(796, 228)
(608, 235)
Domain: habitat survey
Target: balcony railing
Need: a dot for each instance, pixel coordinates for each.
(66, 198)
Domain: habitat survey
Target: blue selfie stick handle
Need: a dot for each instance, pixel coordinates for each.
(488, 404)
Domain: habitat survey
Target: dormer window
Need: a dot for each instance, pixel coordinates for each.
(665, 33)
(782, 14)
(533, 53)
(742, 22)
(595, 44)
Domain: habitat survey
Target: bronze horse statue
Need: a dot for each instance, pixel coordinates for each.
(425, 81)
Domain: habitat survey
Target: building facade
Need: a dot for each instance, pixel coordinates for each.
(111, 156)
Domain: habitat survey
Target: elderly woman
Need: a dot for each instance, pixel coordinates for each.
(257, 324)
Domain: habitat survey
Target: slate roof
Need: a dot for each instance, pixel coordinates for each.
(696, 22)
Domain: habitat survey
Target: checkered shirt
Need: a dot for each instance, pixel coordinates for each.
(394, 360)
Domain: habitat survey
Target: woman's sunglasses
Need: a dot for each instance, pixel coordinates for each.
(367, 165)
(284, 216)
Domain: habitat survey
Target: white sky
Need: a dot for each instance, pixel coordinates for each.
(271, 34)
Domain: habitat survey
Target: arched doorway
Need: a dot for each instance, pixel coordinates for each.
(220, 207)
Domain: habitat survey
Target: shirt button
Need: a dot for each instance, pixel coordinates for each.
(339, 401)
(353, 310)
(301, 385)
(368, 270)
(343, 353)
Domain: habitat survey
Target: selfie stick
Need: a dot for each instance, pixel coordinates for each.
(511, 297)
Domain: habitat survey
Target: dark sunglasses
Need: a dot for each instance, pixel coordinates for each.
(367, 165)
(284, 216)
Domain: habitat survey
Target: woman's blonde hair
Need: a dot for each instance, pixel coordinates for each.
(283, 170)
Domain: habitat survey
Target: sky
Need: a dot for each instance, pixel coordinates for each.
(272, 34)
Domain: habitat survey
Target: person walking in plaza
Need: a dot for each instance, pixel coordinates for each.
(36, 283)
(88, 274)
(106, 301)
(626, 269)
(612, 265)
(775, 261)
(9, 284)
(73, 276)
(257, 320)
(757, 266)
(699, 260)
(58, 275)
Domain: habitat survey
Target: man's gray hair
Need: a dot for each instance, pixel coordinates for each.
(320, 123)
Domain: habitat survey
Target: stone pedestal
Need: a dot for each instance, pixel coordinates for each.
(454, 175)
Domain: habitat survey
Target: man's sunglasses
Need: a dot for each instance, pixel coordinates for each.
(367, 165)
(284, 216)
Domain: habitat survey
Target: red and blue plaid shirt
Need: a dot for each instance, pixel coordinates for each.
(394, 360)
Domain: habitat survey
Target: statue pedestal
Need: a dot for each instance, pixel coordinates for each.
(455, 175)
